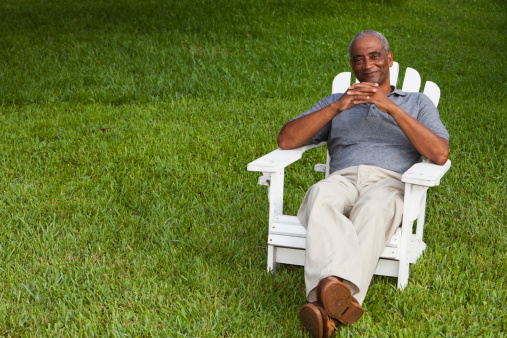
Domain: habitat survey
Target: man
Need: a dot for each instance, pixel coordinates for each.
(375, 132)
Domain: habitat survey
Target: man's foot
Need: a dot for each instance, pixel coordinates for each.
(337, 300)
(315, 319)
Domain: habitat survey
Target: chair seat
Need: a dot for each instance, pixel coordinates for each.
(288, 232)
(288, 237)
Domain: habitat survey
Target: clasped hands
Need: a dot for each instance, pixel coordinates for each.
(364, 92)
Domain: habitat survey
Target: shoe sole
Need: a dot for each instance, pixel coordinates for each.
(338, 302)
(311, 317)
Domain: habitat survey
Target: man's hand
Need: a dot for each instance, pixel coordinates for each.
(367, 92)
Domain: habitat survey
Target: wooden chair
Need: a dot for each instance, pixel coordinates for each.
(287, 237)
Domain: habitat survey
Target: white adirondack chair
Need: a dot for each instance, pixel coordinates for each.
(287, 237)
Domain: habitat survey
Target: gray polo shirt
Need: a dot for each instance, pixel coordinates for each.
(366, 135)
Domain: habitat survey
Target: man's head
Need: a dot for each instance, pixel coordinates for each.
(370, 58)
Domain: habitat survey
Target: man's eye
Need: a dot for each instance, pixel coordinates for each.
(374, 57)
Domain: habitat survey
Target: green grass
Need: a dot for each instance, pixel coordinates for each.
(125, 204)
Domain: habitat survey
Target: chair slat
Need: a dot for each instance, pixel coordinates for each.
(287, 241)
(394, 71)
(412, 80)
(341, 82)
(432, 91)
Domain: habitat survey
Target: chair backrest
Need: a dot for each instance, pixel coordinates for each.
(342, 81)
(411, 82)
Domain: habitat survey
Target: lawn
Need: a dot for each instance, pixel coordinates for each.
(126, 127)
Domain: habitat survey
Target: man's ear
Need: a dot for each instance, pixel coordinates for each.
(390, 57)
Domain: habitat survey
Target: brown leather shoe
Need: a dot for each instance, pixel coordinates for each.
(337, 300)
(317, 322)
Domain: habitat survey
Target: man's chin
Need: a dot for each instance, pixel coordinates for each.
(368, 80)
(372, 79)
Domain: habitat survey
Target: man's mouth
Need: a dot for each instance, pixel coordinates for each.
(369, 74)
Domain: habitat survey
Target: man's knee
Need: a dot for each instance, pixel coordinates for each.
(373, 208)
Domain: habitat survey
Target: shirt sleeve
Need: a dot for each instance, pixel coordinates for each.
(430, 117)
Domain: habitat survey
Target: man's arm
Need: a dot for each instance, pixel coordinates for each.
(298, 132)
(427, 143)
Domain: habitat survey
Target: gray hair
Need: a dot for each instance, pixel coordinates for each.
(383, 40)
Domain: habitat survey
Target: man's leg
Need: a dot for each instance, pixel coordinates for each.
(332, 247)
(376, 215)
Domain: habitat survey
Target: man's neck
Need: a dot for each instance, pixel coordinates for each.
(386, 88)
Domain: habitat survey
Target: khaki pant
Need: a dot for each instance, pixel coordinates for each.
(350, 216)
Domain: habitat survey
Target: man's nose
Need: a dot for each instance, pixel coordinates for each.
(368, 63)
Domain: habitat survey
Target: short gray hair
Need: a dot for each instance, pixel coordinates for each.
(383, 40)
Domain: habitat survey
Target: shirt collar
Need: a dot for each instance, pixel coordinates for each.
(397, 92)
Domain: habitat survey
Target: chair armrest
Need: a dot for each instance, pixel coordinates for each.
(279, 159)
(426, 173)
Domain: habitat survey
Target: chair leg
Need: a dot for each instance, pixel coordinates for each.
(272, 265)
(403, 272)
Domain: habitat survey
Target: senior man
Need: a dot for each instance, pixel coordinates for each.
(374, 133)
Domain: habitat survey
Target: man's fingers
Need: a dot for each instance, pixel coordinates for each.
(358, 99)
(361, 91)
(363, 85)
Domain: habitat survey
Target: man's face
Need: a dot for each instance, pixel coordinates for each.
(370, 62)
